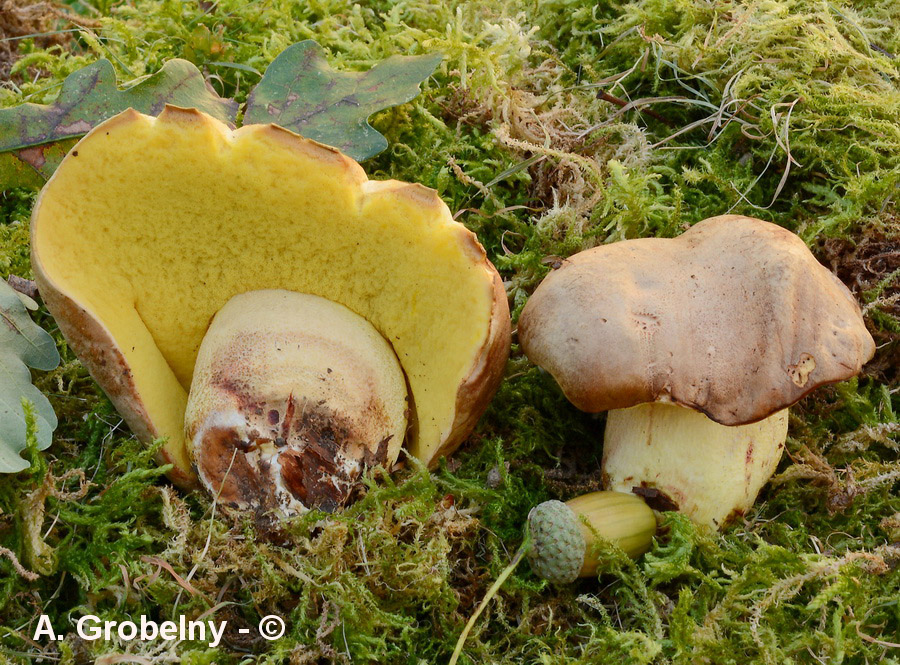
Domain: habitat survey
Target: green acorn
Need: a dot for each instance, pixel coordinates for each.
(563, 534)
(560, 540)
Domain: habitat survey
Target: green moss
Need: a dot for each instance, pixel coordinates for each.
(787, 110)
(512, 133)
(14, 257)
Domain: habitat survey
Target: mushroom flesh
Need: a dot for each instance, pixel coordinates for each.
(152, 227)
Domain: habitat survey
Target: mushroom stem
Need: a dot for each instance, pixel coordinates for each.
(293, 397)
(678, 459)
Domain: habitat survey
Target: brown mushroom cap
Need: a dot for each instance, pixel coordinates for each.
(735, 318)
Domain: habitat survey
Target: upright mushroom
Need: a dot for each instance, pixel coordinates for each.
(313, 296)
(696, 346)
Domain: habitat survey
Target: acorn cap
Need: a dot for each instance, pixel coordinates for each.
(735, 318)
(558, 547)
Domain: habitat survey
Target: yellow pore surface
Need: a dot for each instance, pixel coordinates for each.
(156, 223)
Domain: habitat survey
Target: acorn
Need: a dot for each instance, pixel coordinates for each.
(560, 541)
(564, 534)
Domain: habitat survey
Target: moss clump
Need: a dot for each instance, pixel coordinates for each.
(783, 109)
(513, 134)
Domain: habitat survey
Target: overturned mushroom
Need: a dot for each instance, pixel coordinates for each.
(151, 227)
(292, 397)
(696, 345)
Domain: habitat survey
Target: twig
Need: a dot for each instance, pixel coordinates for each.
(872, 640)
(19, 568)
(627, 106)
(495, 587)
(187, 586)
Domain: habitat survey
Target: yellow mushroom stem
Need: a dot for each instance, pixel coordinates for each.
(678, 459)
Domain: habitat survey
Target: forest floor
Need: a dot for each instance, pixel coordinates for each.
(549, 127)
